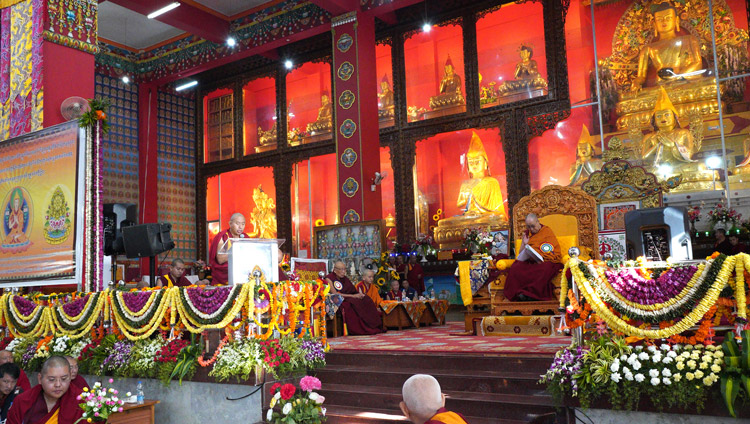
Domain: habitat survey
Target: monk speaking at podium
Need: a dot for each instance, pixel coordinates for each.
(532, 279)
(360, 313)
(218, 257)
(53, 401)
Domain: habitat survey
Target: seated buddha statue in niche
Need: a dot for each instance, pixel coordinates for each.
(585, 164)
(324, 122)
(527, 76)
(450, 89)
(385, 99)
(480, 199)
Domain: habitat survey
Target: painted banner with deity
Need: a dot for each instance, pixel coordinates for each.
(41, 193)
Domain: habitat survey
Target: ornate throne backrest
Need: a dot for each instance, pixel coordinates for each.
(554, 200)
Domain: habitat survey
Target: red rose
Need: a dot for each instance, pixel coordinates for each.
(287, 391)
(275, 387)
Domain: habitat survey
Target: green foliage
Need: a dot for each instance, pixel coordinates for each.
(736, 374)
(97, 112)
(186, 360)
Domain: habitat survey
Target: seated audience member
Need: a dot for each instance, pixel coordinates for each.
(6, 356)
(722, 245)
(175, 276)
(415, 274)
(530, 280)
(218, 259)
(360, 313)
(424, 403)
(407, 291)
(395, 292)
(9, 373)
(74, 377)
(368, 288)
(737, 247)
(52, 401)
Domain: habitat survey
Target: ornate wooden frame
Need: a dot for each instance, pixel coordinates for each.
(517, 122)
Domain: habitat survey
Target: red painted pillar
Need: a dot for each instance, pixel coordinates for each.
(148, 211)
(67, 72)
(356, 125)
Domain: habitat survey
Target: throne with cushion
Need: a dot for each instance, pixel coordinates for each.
(571, 214)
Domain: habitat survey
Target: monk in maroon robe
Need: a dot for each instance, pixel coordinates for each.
(218, 261)
(75, 378)
(175, 276)
(360, 313)
(530, 280)
(23, 380)
(424, 403)
(415, 275)
(52, 401)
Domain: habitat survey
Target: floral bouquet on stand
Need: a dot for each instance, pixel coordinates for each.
(304, 406)
(424, 245)
(694, 215)
(478, 240)
(723, 217)
(99, 402)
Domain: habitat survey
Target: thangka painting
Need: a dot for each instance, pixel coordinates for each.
(612, 216)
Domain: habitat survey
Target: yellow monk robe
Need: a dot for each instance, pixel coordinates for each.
(534, 280)
(444, 416)
(372, 292)
(30, 408)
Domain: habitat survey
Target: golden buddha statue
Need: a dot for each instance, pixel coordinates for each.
(527, 77)
(585, 164)
(385, 99)
(450, 89)
(479, 197)
(267, 138)
(670, 144)
(263, 217)
(324, 123)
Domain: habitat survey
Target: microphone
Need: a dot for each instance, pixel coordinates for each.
(242, 235)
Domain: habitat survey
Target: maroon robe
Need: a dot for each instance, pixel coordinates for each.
(391, 295)
(534, 280)
(23, 382)
(30, 407)
(80, 382)
(167, 278)
(415, 277)
(361, 315)
(219, 272)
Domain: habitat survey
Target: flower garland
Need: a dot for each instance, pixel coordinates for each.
(132, 326)
(617, 324)
(213, 358)
(197, 321)
(25, 318)
(78, 325)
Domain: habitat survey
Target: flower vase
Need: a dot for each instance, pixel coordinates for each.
(692, 227)
(720, 225)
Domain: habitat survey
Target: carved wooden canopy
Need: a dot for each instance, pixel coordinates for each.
(554, 199)
(620, 181)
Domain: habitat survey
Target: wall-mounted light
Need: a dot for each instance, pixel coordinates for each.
(125, 79)
(231, 42)
(427, 27)
(163, 10)
(186, 85)
(288, 64)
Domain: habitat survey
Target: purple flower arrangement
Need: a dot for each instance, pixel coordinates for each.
(136, 300)
(28, 356)
(313, 351)
(208, 301)
(633, 287)
(24, 306)
(74, 308)
(566, 366)
(119, 356)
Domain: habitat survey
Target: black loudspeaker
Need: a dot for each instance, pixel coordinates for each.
(117, 216)
(658, 233)
(146, 240)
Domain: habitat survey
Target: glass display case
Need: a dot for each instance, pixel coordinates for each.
(435, 78)
(314, 199)
(512, 67)
(309, 105)
(384, 73)
(218, 125)
(259, 115)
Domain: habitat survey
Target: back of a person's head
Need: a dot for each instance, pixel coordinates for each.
(422, 396)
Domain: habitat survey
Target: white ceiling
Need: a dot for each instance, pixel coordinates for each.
(132, 29)
(231, 7)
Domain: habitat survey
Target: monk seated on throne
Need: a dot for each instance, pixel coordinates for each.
(360, 314)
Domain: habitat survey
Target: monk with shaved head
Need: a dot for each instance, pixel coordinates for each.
(6, 356)
(75, 378)
(52, 401)
(424, 403)
(218, 259)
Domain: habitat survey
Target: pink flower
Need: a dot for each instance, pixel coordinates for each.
(96, 414)
(309, 383)
(111, 380)
(119, 410)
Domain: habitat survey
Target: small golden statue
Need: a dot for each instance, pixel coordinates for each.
(324, 123)
(263, 217)
(450, 89)
(385, 99)
(585, 164)
(670, 144)
(267, 138)
(479, 197)
(527, 77)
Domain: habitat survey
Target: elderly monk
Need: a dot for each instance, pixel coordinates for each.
(424, 403)
(52, 401)
(369, 289)
(9, 373)
(76, 379)
(359, 311)
(217, 256)
(6, 356)
(532, 281)
(175, 276)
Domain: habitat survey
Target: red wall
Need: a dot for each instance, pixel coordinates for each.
(66, 72)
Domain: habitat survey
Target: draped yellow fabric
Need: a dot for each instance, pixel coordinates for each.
(9, 3)
(53, 418)
(448, 417)
(464, 269)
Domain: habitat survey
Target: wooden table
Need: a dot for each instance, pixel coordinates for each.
(132, 413)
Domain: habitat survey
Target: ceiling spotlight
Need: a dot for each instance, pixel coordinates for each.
(288, 64)
(163, 10)
(125, 79)
(186, 85)
(426, 27)
(713, 162)
(231, 42)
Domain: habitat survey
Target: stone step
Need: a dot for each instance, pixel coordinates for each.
(450, 379)
(350, 415)
(488, 405)
(537, 364)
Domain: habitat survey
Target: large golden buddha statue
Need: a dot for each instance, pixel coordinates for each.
(585, 164)
(479, 198)
(324, 123)
(450, 89)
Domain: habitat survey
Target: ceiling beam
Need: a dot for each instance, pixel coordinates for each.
(337, 7)
(186, 17)
(388, 17)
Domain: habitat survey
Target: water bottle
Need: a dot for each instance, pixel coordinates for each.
(403, 295)
(432, 294)
(139, 393)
